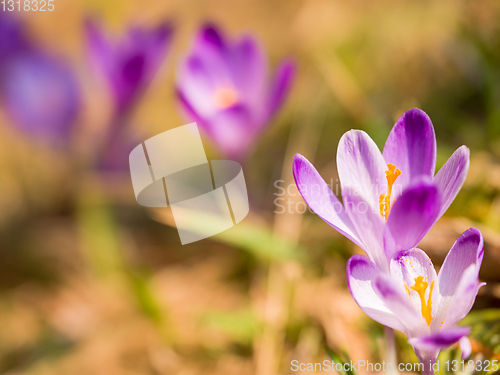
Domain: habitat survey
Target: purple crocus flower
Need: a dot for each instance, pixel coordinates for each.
(130, 64)
(413, 299)
(390, 199)
(128, 67)
(40, 94)
(38, 89)
(224, 86)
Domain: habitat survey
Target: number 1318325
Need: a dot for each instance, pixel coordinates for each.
(27, 5)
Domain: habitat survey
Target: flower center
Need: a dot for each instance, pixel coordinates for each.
(225, 97)
(392, 175)
(420, 287)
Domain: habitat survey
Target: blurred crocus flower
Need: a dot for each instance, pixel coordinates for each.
(39, 90)
(40, 94)
(413, 299)
(391, 199)
(224, 86)
(128, 65)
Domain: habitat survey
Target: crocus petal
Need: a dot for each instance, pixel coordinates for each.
(321, 199)
(154, 43)
(231, 129)
(454, 309)
(411, 146)
(141, 55)
(190, 112)
(465, 347)
(128, 65)
(211, 46)
(466, 252)
(210, 40)
(411, 217)
(361, 275)
(468, 249)
(396, 299)
(197, 85)
(439, 340)
(361, 167)
(369, 226)
(129, 78)
(249, 71)
(452, 175)
(281, 86)
(137, 59)
(100, 49)
(407, 267)
(410, 264)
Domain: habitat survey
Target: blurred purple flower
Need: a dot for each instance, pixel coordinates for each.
(390, 199)
(39, 91)
(130, 64)
(413, 299)
(224, 86)
(40, 94)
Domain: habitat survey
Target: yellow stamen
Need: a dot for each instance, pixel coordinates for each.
(225, 97)
(385, 200)
(420, 287)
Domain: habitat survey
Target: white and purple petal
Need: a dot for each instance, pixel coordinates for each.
(369, 225)
(231, 130)
(411, 146)
(248, 65)
(189, 112)
(361, 277)
(321, 199)
(211, 46)
(407, 267)
(455, 283)
(397, 300)
(361, 167)
(437, 341)
(197, 84)
(280, 86)
(468, 249)
(453, 309)
(411, 217)
(452, 175)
